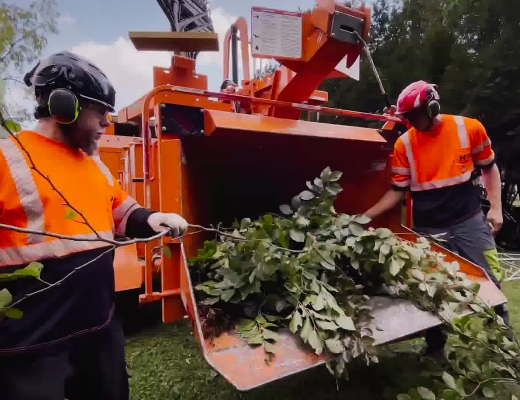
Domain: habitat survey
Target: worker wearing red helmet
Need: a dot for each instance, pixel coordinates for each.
(434, 160)
(68, 343)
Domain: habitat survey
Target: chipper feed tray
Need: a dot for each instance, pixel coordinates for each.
(246, 165)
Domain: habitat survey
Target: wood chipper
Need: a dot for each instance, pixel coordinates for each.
(215, 156)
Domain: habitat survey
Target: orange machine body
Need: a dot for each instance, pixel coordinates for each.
(214, 157)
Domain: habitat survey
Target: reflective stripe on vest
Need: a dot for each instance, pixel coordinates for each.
(26, 187)
(122, 213)
(51, 249)
(436, 184)
(101, 165)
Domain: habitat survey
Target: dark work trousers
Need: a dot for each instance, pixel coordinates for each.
(471, 239)
(88, 367)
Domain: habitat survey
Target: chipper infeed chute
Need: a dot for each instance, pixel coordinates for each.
(245, 174)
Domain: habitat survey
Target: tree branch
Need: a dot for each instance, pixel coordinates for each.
(83, 239)
(221, 233)
(11, 47)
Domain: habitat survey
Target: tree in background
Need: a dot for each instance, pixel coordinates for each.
(23, 36)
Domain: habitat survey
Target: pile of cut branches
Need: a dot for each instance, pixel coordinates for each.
(313, 270)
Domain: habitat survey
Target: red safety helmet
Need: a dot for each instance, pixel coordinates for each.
(419, 95)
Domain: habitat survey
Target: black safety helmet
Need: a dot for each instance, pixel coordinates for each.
(69, 71)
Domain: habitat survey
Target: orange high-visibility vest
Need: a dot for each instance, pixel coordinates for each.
(28, 201)
(444, 157)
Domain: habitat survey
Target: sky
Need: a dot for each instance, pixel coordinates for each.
(98, 30)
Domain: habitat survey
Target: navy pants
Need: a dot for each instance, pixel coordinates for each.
(471, 239)
(88, 367)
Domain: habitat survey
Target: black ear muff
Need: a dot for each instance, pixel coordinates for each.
(63, 106)
(433, 109)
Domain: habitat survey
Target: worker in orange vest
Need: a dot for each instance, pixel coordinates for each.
(67, 344)
(434, 160)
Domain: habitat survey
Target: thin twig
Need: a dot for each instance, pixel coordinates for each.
(498, 380)
(45, 282)
(243, 239)
(62, 279)
(83, 238)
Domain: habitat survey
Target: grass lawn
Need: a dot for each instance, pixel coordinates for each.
(165, 363)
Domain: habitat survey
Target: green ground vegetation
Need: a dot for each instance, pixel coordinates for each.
(165, 363)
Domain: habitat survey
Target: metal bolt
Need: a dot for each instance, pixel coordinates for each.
(163, 105)
(202, 131)
(332, 34)
(163, 129)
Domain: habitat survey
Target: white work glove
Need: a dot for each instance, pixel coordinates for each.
(161, 222)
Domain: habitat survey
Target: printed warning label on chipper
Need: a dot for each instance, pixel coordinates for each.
(276, 33)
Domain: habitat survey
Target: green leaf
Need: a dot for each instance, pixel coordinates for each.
(488, 391)
(306, 195)
(335, 176)
(395, 266)
(167, 251)
(306, 330)
(245, 223)
(296, 321)
(5, 298)
(303, 222)
(256, 340)
(296, 203)
(346, 323)
(246, 325)
(356, 230)
(270, 347)
(327, 325)
(385, 249)
(334, 346)
(383, 233)
(326, 174)
(33, 270)
(70, 214)
(286, 209)
(13, 313)
(297, 236)
(319, 303)
(270, 335)
(210, 302)
(403, 397)
(315, 286)
(315, 342)
(449, 380)
(361, 219)
(333, 188)
(426, 394)
(450, 394)
(227, 295)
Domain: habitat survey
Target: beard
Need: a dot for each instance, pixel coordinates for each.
(80, 138)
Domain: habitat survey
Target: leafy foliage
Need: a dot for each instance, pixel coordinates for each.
(313, 271)
(24, 34)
